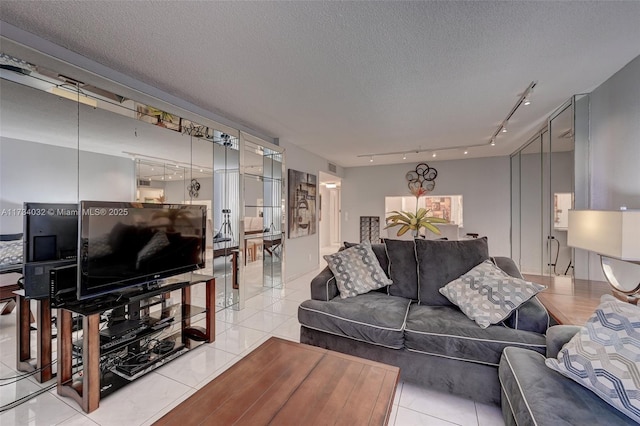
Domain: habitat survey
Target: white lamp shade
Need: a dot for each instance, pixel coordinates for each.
(613, 233)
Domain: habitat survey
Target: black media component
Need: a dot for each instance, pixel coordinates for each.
(196, 333)
(37, 278)
(51, 241)
(163, 347)
(122, 329)
(124, 245)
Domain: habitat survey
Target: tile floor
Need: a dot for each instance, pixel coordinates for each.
(271, 313)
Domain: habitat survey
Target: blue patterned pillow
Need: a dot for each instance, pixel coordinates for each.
(604, 356)
(357, 270)
(488, 295)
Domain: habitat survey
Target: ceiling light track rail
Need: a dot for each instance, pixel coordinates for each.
(502, 128)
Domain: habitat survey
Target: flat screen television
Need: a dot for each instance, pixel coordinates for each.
(50, 241)
(125, 244)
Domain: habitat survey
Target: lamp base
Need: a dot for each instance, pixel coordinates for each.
(633, 299)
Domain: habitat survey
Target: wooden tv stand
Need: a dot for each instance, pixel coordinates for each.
(86, 389)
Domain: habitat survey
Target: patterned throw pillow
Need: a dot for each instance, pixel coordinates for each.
(488, 295)
(357, 270)
(604, 356)
(155, 244)
(11, 252)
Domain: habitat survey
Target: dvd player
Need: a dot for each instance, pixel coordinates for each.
(122, 329)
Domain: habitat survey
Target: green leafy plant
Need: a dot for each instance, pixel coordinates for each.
(414, 221)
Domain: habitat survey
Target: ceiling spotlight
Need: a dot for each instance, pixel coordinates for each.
(404, 156)
(162, 178)
(504, 128)
(200, 170)
(371, 159)
(493, 142)
(152, 169)
(466, 152)
(433, 155)
(526, 101)
(177, 166)
(169, 177)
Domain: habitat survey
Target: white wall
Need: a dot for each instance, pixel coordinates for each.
(615, 140)
(482, 182)
(615, 146)
(302, 255)
(37, 172)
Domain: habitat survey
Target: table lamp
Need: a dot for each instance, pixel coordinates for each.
(615, 236)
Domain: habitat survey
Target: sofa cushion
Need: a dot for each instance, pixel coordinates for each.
(604, 356)
(445, 331)
(357, 270)
(372, 318)
(536, 395)
(379, 251)
(487, 295)
(440, 262)
(403, 268)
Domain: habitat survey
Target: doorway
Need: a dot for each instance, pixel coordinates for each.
(329, 214)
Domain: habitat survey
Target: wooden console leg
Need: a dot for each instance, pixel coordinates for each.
(211, 310)
(85, 392)
(91, 362)
(43, 357)
(23, 333)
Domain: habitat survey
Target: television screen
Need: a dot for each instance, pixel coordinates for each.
(51, 240)
(129, 244)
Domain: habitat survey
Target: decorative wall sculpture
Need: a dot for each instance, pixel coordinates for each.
(302, 204)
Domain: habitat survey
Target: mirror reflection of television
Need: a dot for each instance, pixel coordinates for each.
(50, 231)
(125, 244)
(51, 241)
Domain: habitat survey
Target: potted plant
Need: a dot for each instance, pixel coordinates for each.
(409, 221)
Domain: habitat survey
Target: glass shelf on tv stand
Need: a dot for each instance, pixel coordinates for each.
(96, 380)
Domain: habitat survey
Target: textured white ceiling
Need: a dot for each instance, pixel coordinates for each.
(347, 78)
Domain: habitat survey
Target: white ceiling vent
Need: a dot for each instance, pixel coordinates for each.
(332, 167)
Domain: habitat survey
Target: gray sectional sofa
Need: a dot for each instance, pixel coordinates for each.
(533, 394)
(411, 325)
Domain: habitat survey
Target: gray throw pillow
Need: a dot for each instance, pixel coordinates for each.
(604, 356)
(440, 262)
(357, 270)
(487, 295)
(379, 251)
(403, 268)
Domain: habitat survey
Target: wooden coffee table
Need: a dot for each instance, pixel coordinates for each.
(286, 383)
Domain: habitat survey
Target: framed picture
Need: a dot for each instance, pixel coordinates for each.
(302, 204)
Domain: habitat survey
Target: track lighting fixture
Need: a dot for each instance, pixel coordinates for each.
(502, 128)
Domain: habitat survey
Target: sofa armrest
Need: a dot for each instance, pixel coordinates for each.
(323, 286)
(558, 336)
